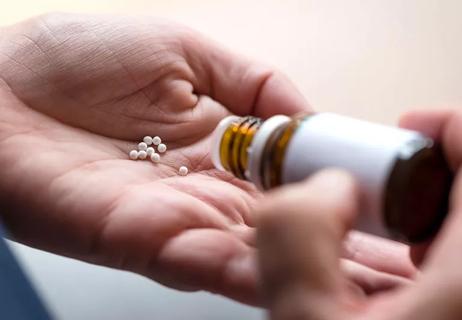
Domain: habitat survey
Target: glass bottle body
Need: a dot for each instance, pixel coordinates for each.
(403, 177)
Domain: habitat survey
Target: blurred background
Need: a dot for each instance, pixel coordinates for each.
(370, 59)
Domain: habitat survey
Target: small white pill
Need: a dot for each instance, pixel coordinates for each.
(133, 154)
(183, 171)
(155, 157)
(142, 154)
(156, 140)
(142, 146)
(147, 140)
(161, 148)
(150, 151)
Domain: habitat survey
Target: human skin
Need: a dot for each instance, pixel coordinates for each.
(304, 283)
(78, 92)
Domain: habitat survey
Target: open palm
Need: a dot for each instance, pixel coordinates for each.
(77, 94)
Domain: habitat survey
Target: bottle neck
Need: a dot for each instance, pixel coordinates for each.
(235, 144)
(272, 159)
(254, 150)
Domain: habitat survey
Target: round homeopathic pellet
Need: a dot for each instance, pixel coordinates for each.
(147, 140)
(183, 171)
(161, 148)
(142, 154)
(133, 154)
(156, 140)
(155, 157)
(150, 151)
(142, 146)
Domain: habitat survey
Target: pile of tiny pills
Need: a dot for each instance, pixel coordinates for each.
(146, 149)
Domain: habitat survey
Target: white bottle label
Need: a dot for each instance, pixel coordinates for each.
(367, 150)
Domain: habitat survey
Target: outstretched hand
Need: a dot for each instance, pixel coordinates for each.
(77, 92)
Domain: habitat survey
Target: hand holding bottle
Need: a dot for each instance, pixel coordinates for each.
(302, 281)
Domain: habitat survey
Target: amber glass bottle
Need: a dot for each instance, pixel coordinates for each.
(403, 176)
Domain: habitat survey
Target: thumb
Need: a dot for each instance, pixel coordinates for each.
(243, 86)
(300, 230)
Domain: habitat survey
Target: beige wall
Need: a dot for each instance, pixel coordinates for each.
(372, 59)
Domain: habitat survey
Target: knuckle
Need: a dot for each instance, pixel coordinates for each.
(296, 304)
(290, 306)
(269, 205)
(452, 133)
(269, 217)
(292, 207)
(52, 18)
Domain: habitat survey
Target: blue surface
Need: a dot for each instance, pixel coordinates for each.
(18, 300)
